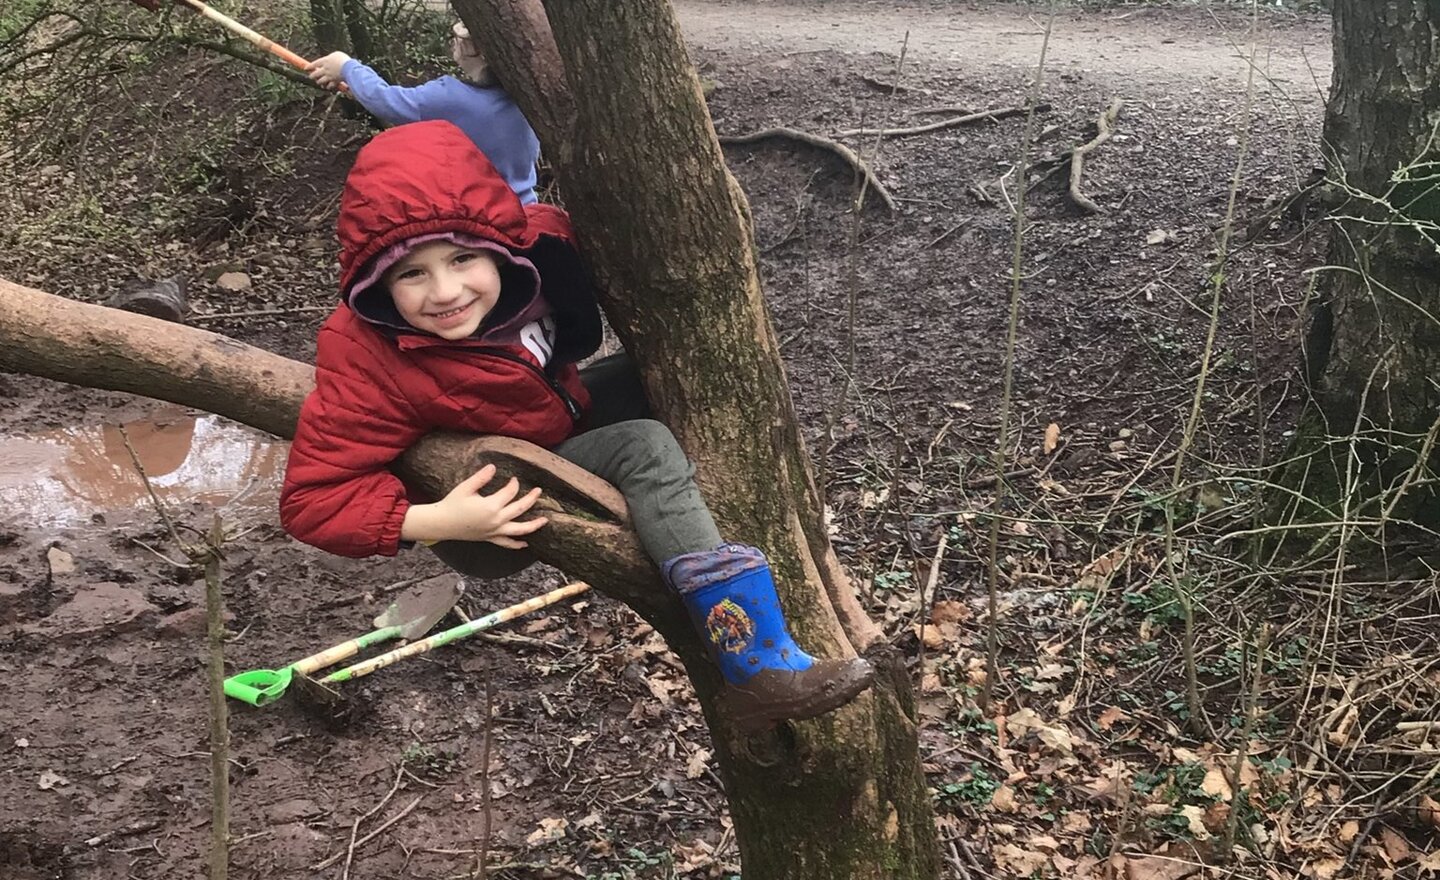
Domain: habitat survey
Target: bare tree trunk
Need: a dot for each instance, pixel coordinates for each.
(667, 233)
(327, 26)
(1373, 346)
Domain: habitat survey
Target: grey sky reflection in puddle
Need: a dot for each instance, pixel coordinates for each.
(65, 477)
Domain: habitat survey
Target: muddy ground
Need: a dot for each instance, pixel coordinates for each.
(598, 755)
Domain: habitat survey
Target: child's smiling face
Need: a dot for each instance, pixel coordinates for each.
(445, 289)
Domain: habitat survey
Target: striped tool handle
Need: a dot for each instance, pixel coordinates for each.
(456, 633)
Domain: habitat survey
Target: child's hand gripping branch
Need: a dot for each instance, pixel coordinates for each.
(467, 515)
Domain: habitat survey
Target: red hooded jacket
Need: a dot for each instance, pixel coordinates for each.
(381, 385)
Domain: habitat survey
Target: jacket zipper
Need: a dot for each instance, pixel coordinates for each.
(571, 405)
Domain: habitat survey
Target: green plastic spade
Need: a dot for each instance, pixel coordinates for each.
(408, 617)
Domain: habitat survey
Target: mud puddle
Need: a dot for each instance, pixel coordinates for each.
(84, 474)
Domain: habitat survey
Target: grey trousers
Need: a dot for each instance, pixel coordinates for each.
(636, 454)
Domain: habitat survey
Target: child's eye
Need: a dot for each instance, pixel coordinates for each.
(465, 257)
(409, 274)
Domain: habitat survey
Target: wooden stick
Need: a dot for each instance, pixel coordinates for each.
(1004, 113)
(1104, 122)
(824, 143)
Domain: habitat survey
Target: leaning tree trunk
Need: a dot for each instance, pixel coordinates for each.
(667, 234)
(1366, 444)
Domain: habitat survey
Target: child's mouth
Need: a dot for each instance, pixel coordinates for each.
(452, 316)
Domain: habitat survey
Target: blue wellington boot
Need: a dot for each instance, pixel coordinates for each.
(730, 595)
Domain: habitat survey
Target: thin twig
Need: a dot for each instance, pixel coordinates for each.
(927, 599)
(354, 828)
(1004, 113)
(482, 858)
(1105, 123)
(1002, 441)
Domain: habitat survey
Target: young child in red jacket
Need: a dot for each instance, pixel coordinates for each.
(463, 310)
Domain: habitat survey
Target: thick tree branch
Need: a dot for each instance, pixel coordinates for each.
(98, 347)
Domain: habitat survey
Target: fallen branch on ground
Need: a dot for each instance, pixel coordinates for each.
(1004, 113)
(824, 143)
(1105, 123)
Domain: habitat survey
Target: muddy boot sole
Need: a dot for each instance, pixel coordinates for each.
(772, 695)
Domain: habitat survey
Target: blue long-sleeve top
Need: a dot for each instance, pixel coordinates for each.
(487, 114)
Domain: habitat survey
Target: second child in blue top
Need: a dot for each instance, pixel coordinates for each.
(475, 103)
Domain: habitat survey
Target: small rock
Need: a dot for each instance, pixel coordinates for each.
(60, 561)
(233, 281)
(97, 610)
(1125, 433)
(1118, 446)
(185, 624)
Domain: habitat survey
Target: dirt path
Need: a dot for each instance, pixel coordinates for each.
(1169, 46)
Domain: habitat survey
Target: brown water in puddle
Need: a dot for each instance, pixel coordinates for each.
(67, 477)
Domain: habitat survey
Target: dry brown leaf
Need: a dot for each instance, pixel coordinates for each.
(695, 767)
(1348, 831)
(1004, 799)
(1397, 848)
(933, 636)
(1076, 822)
(1249, 774)
(1108, 717)
(950, 611)
(1195, 818)
(550, 829)
(1065, 706)
(1159, 868)
(1324, 869)
(1017, 860)
(1216, 785)
(1023, 721)
(1052, 439)
(1429, 863)
(1111, 782)
(1429, 811)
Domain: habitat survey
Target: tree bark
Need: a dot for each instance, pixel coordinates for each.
(667, 234)
(1373, 346)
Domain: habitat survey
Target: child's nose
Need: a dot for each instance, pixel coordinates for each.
(451, 285)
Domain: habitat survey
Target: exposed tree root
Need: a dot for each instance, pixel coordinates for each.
(824, 143)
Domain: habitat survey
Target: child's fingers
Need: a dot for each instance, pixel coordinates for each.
(520, 505)
(526, 527)
(505, 494)
(476, 481)
(508, 543)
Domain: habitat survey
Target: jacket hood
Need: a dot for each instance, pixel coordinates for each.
(421, 179)
(428, 180)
